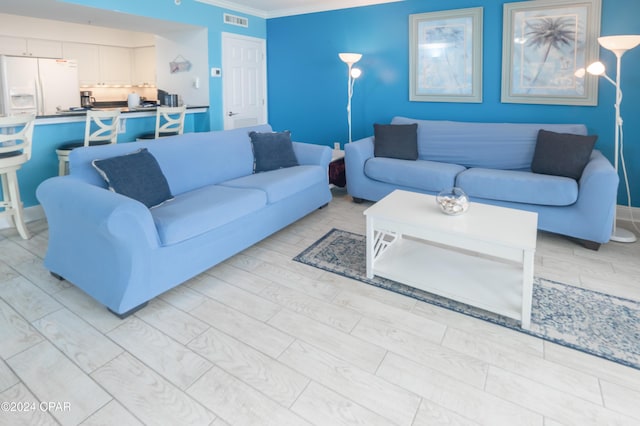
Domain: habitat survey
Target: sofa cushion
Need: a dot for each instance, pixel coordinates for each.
(562, 154)
(136, 175)
(272, 151)
(421, 174)
(488, 145)
(396, 141)
(282, 183)
(195, 212)
(518, 186)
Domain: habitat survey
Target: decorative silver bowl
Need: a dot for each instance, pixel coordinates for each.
(453, 201)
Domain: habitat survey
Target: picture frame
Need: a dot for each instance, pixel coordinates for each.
(445, 56)
(546, 44)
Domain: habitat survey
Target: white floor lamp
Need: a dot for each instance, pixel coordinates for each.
(354, 73)
(618, 45)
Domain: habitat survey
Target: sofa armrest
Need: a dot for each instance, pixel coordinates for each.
(90, 227)
(359, 151)
(71, 204)
(599, 177)
(356, 155)
(98, 240)
(310, 154)
(598, 193)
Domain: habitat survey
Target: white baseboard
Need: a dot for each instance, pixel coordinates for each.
(625, 213)
(30, 214)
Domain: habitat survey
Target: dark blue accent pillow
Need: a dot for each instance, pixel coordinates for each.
(136, 175)
(396, 141)
(272, 151)
(562, 154)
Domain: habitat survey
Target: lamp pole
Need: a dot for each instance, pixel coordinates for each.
(619, 45)
(353, 73)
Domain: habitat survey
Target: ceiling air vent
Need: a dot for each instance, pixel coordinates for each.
(236, 20)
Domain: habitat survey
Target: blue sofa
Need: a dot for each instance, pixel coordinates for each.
(491, 162)
(123, 254)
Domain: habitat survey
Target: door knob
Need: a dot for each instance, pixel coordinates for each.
(231, 114)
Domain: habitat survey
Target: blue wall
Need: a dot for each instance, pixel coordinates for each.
(307, 82)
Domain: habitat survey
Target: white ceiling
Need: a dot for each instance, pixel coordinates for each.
(61, 11)
(278, 8)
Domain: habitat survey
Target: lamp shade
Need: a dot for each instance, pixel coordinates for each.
(620, 43)
(350, 58)
(596, 68)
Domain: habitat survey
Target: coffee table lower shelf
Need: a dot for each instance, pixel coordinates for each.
(485, 283)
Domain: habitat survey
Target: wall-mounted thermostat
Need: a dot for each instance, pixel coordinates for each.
(216, 72)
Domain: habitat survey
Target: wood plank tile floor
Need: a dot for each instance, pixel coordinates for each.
(263, 340)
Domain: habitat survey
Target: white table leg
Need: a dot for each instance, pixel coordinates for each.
(370, 244)
(527, 288)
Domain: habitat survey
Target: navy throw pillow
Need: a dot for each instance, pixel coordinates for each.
(272, 151)
(396, 141)
(562, 154)
(136, 175)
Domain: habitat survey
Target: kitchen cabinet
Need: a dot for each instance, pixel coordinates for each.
(144, 66)
(88, 57)
(115, 65)
(100, 65)
(37, 48)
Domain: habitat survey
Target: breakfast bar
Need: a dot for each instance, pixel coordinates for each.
(51, 131)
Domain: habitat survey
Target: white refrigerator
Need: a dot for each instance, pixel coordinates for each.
(39, 86)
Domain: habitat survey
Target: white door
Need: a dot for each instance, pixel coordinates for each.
(244, 81)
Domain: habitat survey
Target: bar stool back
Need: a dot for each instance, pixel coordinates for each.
(169, 122)
(101, 128)
(16, 135)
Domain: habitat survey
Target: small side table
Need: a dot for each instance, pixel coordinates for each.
(337, 176)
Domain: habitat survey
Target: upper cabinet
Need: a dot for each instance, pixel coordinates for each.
(144, 66)
(88, 57)
(17, 46)
(100, 65)
(115, 65)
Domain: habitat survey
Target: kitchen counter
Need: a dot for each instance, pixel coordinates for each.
(51, 131)
(75, 116)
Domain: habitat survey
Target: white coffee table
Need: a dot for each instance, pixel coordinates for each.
(483, 257)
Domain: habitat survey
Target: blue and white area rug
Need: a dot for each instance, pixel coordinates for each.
(596, 323)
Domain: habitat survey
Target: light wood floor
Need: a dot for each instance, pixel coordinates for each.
(263, 340)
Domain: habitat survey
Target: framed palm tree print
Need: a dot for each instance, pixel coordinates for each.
(445, 56)
(546, 43)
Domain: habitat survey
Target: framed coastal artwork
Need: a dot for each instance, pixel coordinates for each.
(546, 46)
(445, 56)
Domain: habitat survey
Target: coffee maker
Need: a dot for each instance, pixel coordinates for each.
(86, 100)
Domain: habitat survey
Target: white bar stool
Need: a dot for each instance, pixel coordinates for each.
(169, 122)
(16, 135)
(101, 128)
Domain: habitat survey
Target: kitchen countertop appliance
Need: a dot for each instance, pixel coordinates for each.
(39, 86)
(167, 99)
(86, 100)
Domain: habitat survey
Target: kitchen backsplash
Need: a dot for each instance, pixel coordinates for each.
(109, 94)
